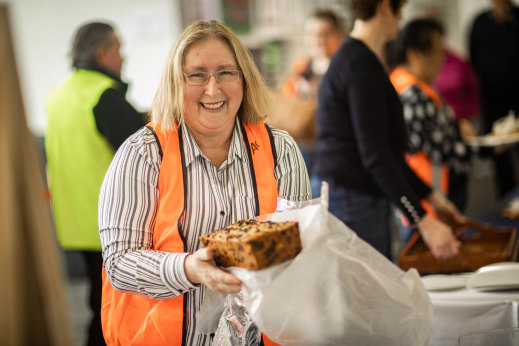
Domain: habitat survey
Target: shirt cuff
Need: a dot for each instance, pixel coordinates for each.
(173, 273)
(413, 211)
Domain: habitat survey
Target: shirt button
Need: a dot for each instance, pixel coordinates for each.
(222, 213)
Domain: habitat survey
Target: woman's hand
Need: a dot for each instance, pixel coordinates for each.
(201, 269)
(438, 237)
(446, 210)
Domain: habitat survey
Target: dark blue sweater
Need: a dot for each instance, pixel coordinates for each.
(361, 136)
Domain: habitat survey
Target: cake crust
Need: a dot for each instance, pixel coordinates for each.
(253, 244)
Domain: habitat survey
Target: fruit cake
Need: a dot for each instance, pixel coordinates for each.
(254, 244)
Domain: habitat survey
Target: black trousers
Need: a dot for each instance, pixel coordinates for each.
(94, 263)
(505, 173)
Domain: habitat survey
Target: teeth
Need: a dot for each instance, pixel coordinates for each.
(213, 105)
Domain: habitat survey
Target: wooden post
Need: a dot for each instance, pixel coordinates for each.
(33, 309)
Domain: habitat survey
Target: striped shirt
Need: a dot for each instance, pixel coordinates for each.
(128, 202)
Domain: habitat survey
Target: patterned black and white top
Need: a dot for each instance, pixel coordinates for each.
(433, 130)
(219, 196)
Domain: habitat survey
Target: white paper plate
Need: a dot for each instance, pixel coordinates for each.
(495, 277)
(492, 141)
(441, 282)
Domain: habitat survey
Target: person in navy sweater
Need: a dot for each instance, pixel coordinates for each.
(361, 141)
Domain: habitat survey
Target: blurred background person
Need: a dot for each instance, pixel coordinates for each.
(494, 54)
(206, 160)
(324, 32)
(436, 151)
(458, 85)
(361, 141)
(88, 118)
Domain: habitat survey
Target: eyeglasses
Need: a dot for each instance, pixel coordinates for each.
(202, 78)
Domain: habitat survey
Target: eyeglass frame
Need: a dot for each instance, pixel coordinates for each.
(209, 75)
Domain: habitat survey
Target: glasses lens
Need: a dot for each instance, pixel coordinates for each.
(199, 78)
(228, 76)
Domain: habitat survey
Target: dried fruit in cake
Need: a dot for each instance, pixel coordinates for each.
(254, 244)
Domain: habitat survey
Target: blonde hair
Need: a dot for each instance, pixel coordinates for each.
(168, 103)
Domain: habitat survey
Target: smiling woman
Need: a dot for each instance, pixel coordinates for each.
(206, 161)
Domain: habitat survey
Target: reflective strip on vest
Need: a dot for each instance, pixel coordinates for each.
(130, 319)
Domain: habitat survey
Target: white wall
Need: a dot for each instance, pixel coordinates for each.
(43, 31)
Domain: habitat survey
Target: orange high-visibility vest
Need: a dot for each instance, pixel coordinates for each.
(131, 319)
(419, 162)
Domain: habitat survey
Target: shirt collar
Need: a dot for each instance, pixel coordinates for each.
(236, 150)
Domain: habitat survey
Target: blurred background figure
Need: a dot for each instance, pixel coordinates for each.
(324, 32)
(494, 54)
(88, 118)
(458, 85)
(361, 141)
(436, 151)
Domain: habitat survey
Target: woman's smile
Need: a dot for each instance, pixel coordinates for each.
(213, 106)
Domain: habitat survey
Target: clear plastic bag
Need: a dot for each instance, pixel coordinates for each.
(337, 291)
(236, 328)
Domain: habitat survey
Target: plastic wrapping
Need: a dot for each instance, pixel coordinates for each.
(236, 328)
(337, 291)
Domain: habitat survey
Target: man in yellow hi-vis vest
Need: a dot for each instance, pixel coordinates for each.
(88, 118)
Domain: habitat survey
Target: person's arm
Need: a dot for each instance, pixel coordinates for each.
(127, 206)
(291, 175)
(438, 237)
(116, 119)
(368, 99)
(446, 211)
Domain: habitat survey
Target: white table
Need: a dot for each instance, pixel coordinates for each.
(460, 311)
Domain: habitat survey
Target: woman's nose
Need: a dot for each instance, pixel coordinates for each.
(212, 86)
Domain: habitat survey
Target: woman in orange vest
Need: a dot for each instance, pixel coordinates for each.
(436, 149)
(206, 160)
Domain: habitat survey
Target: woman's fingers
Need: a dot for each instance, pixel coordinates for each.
(201, 269)
(439, 238)
(447, 250)
(204, 254)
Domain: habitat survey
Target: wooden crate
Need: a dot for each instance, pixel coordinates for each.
(481, 245)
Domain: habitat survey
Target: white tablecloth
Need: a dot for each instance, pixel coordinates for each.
(460, 311)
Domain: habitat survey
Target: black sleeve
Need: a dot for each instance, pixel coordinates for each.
(370, 117)
(116, 119)
(422, 189)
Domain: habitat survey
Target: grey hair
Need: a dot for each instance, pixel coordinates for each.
(87, 40)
